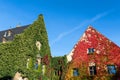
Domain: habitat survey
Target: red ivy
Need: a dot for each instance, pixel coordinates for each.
(93, 39)
(45, 60)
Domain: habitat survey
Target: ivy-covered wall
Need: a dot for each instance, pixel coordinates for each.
(58, 67)
(14, 54)
(29, 53)
(96, 51)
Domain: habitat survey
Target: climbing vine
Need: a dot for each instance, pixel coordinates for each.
(105, 53)
(58, 65)
(14, 54)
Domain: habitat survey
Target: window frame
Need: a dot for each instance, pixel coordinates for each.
(75, 72)
(113, 69)
(90, 50)
(92, 70)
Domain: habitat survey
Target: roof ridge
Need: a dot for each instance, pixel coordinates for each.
(15, 28)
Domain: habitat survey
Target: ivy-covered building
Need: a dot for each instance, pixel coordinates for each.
(58, 66)
(25, 49)
(94, 57)
(8, 35)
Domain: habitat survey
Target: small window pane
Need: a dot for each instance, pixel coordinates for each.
(75, 72)
(90, 50)
(92, 70)
(111, 69)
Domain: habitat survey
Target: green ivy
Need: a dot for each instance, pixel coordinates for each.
(14, 54)
(57, 63)
(30, 64)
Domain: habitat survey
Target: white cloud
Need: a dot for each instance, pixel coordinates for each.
(60, 36)
(84, 23)
(98, 16)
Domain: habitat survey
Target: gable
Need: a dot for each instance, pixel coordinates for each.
(93, 39)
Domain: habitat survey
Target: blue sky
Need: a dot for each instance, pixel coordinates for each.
(65, 20)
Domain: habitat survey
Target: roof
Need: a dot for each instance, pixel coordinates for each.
(14, 31)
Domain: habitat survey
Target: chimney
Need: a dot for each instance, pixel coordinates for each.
(18, 25)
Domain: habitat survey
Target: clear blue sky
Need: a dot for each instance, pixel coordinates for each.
(65, 20)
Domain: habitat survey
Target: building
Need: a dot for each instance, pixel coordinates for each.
(25, 49)
(8, 35)
(94, 57)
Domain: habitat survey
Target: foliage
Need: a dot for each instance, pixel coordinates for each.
(30, 64)
(40, 68)
(105, 53)
(14, 55)
(58, 65)
(45, 60)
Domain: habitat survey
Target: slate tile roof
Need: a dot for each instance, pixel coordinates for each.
(14, 31)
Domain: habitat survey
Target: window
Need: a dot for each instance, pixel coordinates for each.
(9, 33)
(90, 50)
(36, 65)
(5, 34)
(111, 69)
(75, 72)
(92, 70)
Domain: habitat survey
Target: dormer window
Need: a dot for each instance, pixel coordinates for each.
(90, 50)
(9, 33)
(5, 34)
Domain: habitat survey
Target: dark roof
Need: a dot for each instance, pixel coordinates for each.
(14, 31)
